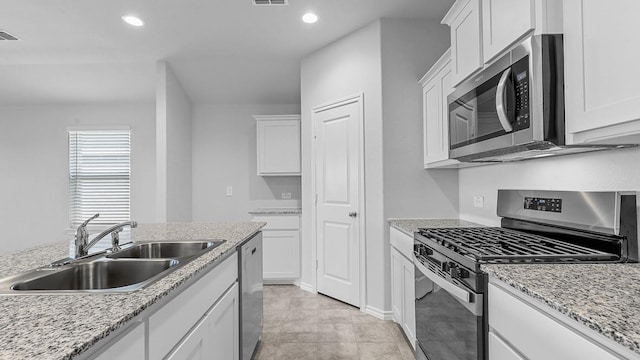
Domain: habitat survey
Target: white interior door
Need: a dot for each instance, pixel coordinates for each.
(337, 131)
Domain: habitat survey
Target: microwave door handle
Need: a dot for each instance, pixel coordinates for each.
(501, 99)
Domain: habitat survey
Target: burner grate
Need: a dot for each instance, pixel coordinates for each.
(504, 245)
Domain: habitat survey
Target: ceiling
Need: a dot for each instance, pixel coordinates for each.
(223, 51)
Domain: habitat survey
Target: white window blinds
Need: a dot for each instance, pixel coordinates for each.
(99, 176)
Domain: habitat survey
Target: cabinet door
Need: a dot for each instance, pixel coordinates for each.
(281, 255)
(503, 23)
(466, 41)
(436, 114)
(600, 39)
(409, 300)
(396, 286)
(130, 346)
(278, 145)
(499, 350)
(216, 336)
(223, 342)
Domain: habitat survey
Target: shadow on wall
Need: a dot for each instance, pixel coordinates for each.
(442, 178)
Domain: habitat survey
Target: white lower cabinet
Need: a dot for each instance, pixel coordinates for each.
(216, 336)
(519, 329)
(202, 322)
(130, 346)
(402, 284)
(281, 248)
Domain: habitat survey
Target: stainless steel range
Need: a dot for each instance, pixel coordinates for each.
(536, 227)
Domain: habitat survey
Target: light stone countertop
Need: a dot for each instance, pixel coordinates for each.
(603, 297)
(277, 211)
(59, 326)
(409, 226)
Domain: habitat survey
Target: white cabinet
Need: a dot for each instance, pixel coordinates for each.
(278, 145)
(436, 85)
(129, 345)
(520, 327)
(504, 22)
(281, 248)
(481, 30)
(402, 283)
(169, 325)
(601, 92)
(216, 336)
(464, 19)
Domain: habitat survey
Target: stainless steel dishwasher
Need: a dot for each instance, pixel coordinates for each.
(250, 275)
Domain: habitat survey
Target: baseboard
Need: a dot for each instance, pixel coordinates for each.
(279, 282)
(307, 287)
(380, 314)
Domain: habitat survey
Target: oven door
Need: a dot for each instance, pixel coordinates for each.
(449, 317)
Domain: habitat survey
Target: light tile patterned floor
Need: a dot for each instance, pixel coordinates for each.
(299, 325)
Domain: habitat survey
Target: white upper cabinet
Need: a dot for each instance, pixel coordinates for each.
(464, 19)
(278, 145)
(601, 86)
(503, 23)
(436, 85)
(481, 30)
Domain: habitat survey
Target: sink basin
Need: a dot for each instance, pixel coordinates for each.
(126, 275)
(166, 250)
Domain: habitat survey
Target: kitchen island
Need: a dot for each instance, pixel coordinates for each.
(75, 325)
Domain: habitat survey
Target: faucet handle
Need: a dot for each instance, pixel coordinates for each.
(86, 222)
(115, 240)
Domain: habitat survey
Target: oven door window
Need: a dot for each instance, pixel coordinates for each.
(445, 328)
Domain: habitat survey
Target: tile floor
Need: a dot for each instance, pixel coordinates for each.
(300, 325)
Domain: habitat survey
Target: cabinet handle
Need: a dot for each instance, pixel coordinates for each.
(353, 214)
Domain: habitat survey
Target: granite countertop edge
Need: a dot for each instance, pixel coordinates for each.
(20, 348)
(277, 211)
(580, 318)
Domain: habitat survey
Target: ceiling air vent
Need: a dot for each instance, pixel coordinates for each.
(270, 2)
(6, 36)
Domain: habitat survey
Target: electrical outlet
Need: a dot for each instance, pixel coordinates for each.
(286, 196)
(229, 190)
(478, 201)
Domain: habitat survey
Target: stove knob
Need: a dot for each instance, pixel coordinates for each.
(454, 271)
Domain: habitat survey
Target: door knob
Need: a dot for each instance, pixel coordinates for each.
(353, 214)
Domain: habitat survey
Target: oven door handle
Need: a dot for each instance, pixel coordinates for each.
(501, 99)
(472, 303)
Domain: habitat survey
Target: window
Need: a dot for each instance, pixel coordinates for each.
(99, 176)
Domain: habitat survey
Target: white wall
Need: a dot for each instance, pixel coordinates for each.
(174, 169)
(607, 170)
(224, 154)
(34, 158)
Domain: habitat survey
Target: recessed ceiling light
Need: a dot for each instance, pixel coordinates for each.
(132, 20)
(310, 18)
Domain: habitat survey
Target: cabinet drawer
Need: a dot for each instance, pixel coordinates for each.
(279, 222)
(175, 319)
(402, 242)
(527, 329)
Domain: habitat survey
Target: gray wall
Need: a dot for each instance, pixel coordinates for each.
(346, 67)
(409, 49)
(224, 154)
(34, 158)
(173, 122)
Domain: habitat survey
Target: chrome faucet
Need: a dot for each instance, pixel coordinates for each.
(82, 236)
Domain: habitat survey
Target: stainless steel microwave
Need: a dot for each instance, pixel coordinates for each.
(514, 108)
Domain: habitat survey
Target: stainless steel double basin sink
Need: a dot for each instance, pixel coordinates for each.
(130, 269)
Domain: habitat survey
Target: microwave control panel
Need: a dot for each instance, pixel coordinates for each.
(520, 71)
